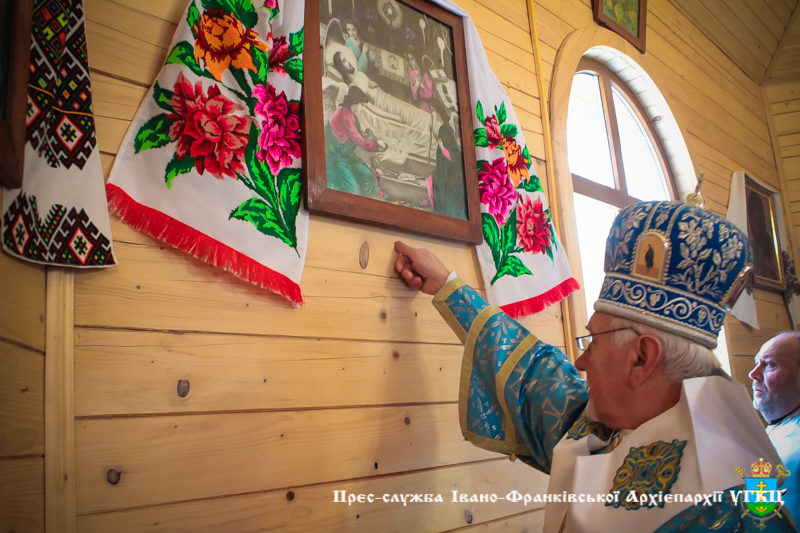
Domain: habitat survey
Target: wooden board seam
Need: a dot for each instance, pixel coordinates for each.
(307, 485)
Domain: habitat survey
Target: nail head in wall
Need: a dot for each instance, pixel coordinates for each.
(183, 387)
(113, 476)
(383, 314)
(290, 495)
(363, 255)
(396, 354)
(376, 465)
(407, 420)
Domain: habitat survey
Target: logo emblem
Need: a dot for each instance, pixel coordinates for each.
(762, 498)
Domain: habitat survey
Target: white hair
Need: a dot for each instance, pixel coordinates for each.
(683, 358)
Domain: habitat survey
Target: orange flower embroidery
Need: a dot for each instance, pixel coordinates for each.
(517, 163)
(223, 41)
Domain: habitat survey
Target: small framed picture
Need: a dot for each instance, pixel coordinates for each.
(388, 125)
(625, 17)
(763, 232)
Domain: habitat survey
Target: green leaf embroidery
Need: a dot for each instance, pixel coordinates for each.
(240, 9)
(295, 43)
(480, 137)
(263, 216)
(176, 167)
(491, 234)
(163, 97)
(512, 266)
(183, 54)
(294, 68)
(509, 130)
(263, 183)
(531, 184)
(241, 80)
(261, 62)
(192, 17)
(479, 111)
(509, 234)
(549, 254)
(527, 155)
(153, 134)
(289, 183)
(502, 114)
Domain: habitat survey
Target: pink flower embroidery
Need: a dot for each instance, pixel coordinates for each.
(280, 128)
(278, 55)
(206, 129)
(497, 192)
(533, 228)
(273, 4)
(493, 135)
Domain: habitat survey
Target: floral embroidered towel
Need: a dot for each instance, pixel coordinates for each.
(59, 216)
(522, 261)
(211, 162)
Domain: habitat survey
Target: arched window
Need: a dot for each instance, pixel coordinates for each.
(615, 158)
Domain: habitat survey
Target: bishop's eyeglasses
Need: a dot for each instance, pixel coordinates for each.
(585, 340)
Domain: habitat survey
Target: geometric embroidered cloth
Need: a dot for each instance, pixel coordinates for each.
(59, 216)
(211, 161)
(523, 263)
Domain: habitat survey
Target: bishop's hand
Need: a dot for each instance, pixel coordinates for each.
(420, 268)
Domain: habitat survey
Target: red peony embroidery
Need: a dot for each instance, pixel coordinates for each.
(206, 129)
(533, 226)
(497, 192)
(493, 135)
(280, 128)
(278, 55)
(222, 41)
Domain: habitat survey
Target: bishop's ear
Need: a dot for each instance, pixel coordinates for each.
(648, 357)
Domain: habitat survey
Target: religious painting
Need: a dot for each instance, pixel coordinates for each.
(763, 233)
(388, 135)
(652, 253)
(15, 43)
(625, 17)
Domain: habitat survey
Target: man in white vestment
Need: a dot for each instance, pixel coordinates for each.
(776, 395)
(656, 422)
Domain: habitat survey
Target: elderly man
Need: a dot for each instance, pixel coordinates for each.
(653, 425)
(776, 395)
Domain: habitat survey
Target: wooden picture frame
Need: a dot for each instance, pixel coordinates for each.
(763, 231)
(625, 17)
(388, 133)
(15, 44)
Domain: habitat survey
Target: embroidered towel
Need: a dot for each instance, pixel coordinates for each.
(59, 216)
(523, 264)
(211, 162)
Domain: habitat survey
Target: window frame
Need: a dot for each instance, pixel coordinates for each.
(618, 196)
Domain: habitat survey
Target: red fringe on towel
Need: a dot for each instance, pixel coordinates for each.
(167, 229)
(538, 303)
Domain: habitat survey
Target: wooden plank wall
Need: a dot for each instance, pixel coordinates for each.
(748, 30)
(782, 104)
(22, 335)
(720, 112)
(355, 391)
(783, 109)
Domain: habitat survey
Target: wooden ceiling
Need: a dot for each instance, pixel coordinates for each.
(762, 37)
